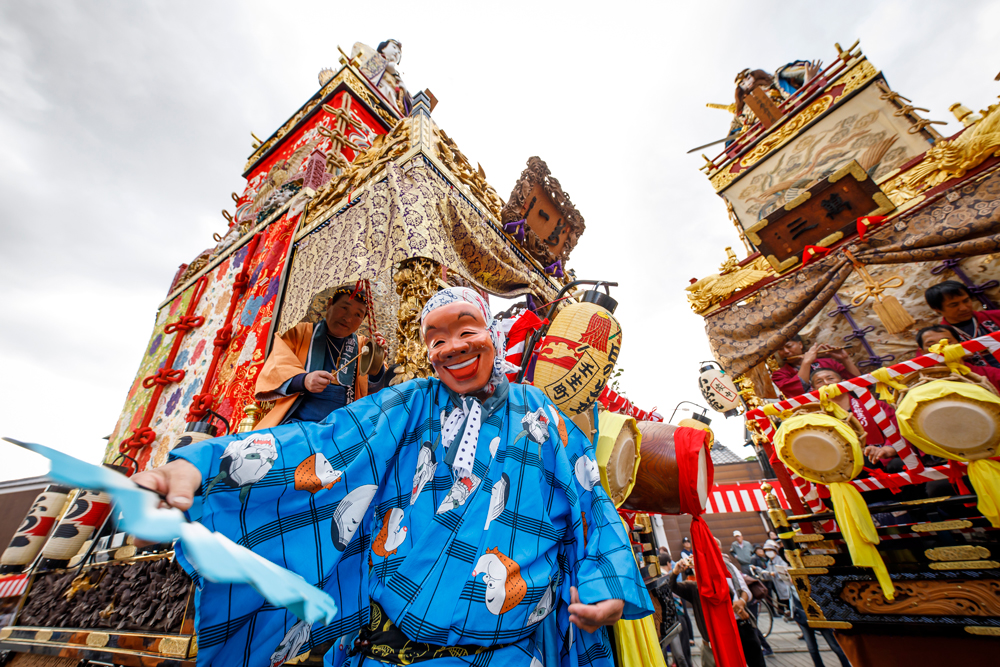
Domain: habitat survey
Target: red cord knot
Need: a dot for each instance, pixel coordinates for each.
(955, 472)
(140, 438)
(185, 324)
(890, 482)
(241, 282)
(200, 405)
(224, 336)
(163, 377)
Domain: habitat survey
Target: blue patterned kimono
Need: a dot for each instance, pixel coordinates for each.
(363, 505)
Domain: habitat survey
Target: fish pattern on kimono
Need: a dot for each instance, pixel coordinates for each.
(494, 570)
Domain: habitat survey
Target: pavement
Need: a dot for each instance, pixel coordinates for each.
(789, 650)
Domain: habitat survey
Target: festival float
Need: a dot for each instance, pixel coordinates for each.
(359, 187)
(849, 204)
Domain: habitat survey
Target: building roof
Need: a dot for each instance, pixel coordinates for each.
(722, 455)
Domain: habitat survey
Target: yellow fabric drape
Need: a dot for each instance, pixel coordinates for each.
(885, 385)
(852, 513)
(953, 355)
(858, 530)
(637, 643)
(826, 396)
(609, 425)
(983, 473)
(985, 477)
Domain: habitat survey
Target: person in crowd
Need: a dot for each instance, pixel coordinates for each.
(680, 646)
(777, 573)
(758, 591)
(758, 565)
(792, 378)
(934, 334)
(686, 552)
(758, 560)
(663, 553)
(742, 551)
(809, 635)
(954, 303)
(313, 369)
(773, 536)
(688, 591)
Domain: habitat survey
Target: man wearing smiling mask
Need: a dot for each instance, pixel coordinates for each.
(468, 534)
(313, 369)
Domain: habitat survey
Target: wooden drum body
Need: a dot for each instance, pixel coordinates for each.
(657, 484)
(958, 413)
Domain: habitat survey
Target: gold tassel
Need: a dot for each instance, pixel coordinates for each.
(894, 317)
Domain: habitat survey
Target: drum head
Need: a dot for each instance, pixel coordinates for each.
(817, 449)
(703, 477)
(620, 467)
(954, 418)
(957, 425)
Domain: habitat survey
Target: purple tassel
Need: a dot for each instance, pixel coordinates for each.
(555, 269)
(517, 229)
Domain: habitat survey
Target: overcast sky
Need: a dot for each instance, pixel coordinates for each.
(124, 126)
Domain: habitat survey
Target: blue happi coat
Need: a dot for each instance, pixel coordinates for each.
(363, 505)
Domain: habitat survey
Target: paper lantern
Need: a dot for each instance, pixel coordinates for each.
(577, 356)
(718, 390)
(35, 529)
(86, 515)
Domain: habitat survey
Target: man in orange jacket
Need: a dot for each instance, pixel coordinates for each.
(313, 369)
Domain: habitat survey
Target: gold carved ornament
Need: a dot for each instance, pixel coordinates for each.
(385, 148)
(949, 160)
(458, 164)
(708, 292)
(417, 279)
(928, 598)
(966, 552)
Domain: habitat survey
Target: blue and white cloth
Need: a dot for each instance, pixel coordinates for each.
(364, 506)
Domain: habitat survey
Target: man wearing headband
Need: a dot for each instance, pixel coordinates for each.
(313, 369)
(459, 517)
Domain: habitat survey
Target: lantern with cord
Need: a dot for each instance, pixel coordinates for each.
(718, 389)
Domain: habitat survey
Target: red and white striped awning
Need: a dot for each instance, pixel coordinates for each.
(13, 585)
(742, 497)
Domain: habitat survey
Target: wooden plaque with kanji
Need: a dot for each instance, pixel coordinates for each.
(822, 215)
(543, 218)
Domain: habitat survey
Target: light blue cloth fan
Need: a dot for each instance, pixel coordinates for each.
(216, 557)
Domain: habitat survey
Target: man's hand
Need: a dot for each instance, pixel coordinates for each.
(812, 353)
(739, 607)
(317, 381)
(177, 481)
(839, 355)
(590, 617)
(875, 453)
